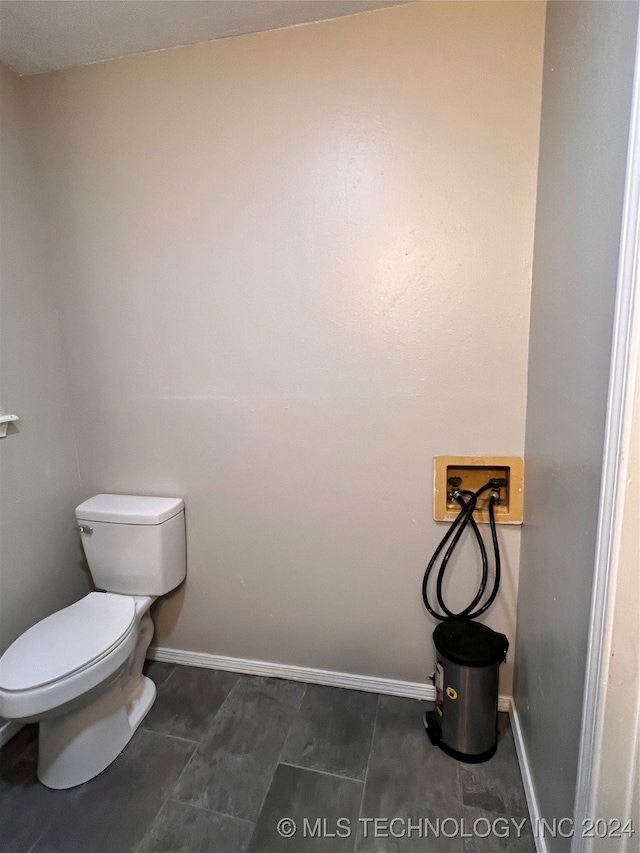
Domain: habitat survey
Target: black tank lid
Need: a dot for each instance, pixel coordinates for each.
(469, 643)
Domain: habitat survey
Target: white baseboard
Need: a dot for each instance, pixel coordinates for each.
(7, 730)
(527, 781)
(368, 683)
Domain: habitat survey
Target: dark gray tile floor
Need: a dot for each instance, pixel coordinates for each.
(222, 758)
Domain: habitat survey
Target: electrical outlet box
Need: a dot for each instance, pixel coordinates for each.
(474, 472)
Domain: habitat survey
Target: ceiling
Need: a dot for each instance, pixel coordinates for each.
(47, 35)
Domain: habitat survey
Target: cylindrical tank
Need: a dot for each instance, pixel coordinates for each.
(465, 721)
(134, 545)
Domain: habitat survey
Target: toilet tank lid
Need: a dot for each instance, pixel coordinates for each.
(129, 509)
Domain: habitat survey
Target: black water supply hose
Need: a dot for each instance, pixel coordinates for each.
(468, 501)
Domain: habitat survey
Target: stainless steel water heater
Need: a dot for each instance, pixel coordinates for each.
(464, 723)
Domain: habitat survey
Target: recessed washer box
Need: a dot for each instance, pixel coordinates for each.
(474, 472)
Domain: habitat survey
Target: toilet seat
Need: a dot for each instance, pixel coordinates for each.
(67, 641)
(66, 654)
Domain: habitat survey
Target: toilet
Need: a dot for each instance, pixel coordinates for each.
(78, 673)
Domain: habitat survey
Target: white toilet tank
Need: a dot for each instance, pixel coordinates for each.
(134, 545)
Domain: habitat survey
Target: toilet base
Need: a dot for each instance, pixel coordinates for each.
(76, 746)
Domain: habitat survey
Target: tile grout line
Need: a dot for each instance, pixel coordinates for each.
(366, 772)
(141, 728)
(209, 811)
(140, 844)
(278, 762)
(202, 739)
(186, 806)
(322, 772)
(168, 678)
(168, 797)
(196, 746)
(36, 842)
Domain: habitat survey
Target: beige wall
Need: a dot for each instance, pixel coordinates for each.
(586, 106)
(291, 268)
(40, 569)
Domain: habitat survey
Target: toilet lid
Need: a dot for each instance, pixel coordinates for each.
(67, 641)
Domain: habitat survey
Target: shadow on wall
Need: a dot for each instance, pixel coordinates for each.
(165, 617)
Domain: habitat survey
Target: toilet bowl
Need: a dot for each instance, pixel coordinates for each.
(78, 673)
